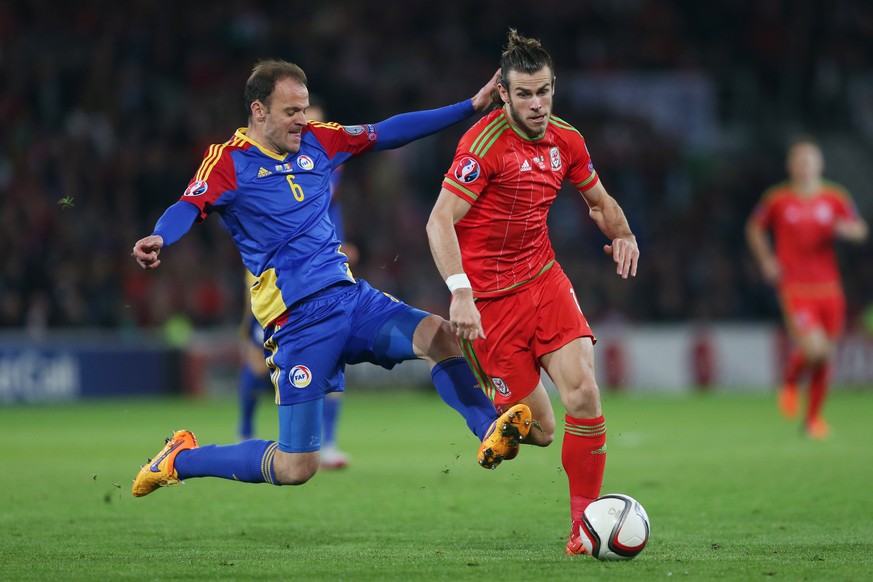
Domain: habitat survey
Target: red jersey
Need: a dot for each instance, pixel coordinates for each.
(511, 182)
(803, 233)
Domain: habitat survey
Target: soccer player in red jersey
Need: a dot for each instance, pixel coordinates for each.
(513, 308)
(806, 215)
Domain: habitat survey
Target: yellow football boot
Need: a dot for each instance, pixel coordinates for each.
(502, 440)
(161, 471)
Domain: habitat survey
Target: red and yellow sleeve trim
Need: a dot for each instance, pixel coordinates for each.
(213, 155)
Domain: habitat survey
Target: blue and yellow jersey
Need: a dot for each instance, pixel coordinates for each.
(335, 210)
(276, 210)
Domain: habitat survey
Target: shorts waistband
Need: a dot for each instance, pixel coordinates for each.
(329, 290)
(325, 292)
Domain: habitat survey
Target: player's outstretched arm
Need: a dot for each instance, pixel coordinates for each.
(171, 226)
(401, 129)
(854, 230)
(610, 219)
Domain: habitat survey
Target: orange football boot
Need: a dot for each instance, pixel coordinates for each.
(503, 437)
(161, 471)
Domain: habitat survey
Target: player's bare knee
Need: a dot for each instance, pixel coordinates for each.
(542, 431)
(816, 352)
(294, 476)
(294, 469)
(444, 343)
(815, 357)
(583, 401)
(539, 436)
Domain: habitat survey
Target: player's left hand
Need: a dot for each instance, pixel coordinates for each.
(464, 316)
(625, 252)
(483, 100)
(851, 230)
(146, 251)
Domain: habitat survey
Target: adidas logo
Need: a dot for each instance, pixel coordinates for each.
(525, 167)
(264, 172)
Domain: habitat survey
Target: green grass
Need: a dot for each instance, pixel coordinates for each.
(732, 490)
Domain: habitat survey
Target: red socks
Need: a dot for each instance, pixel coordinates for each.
(583, 455)
(794, 367)
(818, 389)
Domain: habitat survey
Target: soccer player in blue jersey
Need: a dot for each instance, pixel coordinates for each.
(254, 378)
(270, 185)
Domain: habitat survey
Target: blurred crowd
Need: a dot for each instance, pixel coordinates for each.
(106, 110)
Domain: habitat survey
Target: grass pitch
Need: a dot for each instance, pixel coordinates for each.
(733, 492)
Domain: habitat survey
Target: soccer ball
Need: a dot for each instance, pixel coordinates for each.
(614, 527)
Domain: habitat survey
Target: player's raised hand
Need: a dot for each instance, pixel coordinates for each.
(464, 316)
(482, 100)
(146, 251)
(854, 230)
(625, 253)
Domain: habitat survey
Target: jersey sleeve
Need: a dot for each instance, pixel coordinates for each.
(581, 172)
(342, 142)
(763, 213)
(845, 205)
(469, 174)
(215, 176)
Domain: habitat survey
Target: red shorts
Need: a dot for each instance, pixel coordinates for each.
(803, 314)
(520, 328)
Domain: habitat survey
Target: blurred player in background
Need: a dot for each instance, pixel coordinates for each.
(254, 376)
(805, 215)
(270, 184)
(513, 308)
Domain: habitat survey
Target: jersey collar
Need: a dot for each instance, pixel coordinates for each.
(241, 134)
(520, 133)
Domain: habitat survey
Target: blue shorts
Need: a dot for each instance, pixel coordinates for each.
(256, 332)
(343, 324)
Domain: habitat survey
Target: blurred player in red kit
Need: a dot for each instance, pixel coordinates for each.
(513, 308)
(806, 215)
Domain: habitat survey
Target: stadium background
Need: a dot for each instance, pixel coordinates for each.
(687, 107)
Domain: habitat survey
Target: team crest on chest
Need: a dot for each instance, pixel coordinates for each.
(555, 157)
(823, 213)
(305, 162)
